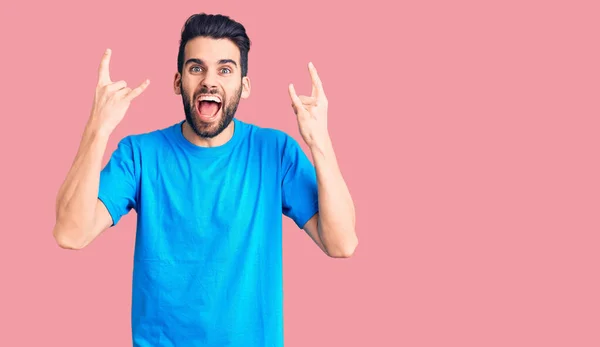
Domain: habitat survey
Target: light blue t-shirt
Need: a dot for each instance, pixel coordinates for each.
(208, 252)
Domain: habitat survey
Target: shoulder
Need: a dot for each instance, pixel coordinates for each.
(147, 140)
(272, 138)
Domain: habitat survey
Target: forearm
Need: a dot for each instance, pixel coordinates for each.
(77, 198)
(336, 225)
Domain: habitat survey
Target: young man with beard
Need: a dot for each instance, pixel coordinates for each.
(209, 193)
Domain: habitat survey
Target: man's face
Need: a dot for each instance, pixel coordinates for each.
(211, 85)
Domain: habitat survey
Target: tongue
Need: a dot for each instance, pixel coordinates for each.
(208, 108)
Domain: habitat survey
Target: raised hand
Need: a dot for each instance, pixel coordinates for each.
(311, 111)
(112, 99)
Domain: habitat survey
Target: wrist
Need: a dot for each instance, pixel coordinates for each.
(96, 128)
(96, 131)
(321, 146)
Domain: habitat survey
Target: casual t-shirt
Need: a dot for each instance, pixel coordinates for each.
(208, 250)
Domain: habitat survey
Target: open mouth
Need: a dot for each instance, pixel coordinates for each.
(208, 106)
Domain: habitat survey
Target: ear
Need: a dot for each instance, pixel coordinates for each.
(245, 87)
(177, 83)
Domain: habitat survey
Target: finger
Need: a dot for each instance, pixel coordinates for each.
(317, 86)
(296, 102)
(116, 86)
(308, 100)
(138, 90)
(122, 93)
(103, 73)
(295, 99)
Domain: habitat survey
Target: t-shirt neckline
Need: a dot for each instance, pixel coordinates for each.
(238, 133)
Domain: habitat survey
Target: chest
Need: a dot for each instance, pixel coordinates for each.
(210, 192)
(190, 209)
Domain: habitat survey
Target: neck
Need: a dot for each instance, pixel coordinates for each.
(216, 141)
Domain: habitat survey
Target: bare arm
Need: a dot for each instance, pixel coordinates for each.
(80, 216)
(333, 228)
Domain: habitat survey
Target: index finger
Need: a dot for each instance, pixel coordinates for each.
(103, 74)
(317, 89)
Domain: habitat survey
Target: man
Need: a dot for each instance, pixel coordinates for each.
(209, 193)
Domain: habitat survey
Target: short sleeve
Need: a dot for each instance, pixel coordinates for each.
(118, 184)
(299, 184)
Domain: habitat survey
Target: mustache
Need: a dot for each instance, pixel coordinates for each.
(205, 90)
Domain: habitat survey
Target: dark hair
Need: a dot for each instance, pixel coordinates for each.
(215, 26)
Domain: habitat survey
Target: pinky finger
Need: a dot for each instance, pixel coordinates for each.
(138, 90)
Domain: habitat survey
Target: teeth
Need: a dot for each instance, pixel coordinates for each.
(210, 98)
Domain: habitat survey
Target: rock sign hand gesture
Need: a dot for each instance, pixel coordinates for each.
(311, 111)
(112, 99)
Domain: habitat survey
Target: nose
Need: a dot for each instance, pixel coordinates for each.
(210, 80)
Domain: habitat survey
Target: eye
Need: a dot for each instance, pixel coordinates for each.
(195, 68)
(226, 70)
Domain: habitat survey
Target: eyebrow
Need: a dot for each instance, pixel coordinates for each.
(220, 62)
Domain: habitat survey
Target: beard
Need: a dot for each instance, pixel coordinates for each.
(210, 130)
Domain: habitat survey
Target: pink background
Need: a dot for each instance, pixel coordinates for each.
(466, 130)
